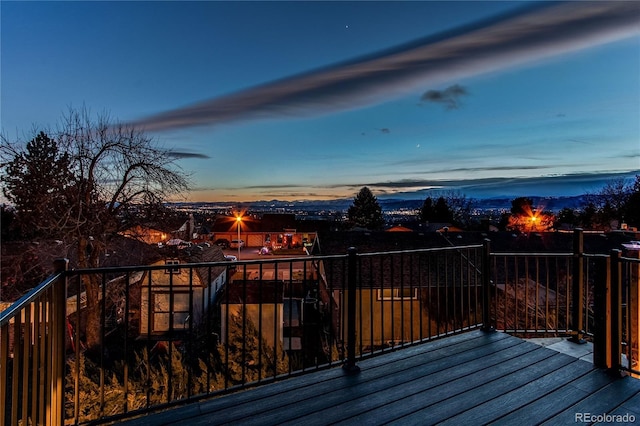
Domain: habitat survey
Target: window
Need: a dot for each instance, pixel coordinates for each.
(172, 269)
(292, 343)
(397, 293)
(162, 311)
(292, 312)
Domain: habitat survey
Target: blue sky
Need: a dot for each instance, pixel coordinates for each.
(313, 100)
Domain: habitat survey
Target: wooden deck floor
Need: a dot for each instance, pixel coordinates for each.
(472, 378)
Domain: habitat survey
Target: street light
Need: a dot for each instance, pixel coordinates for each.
(238, 221)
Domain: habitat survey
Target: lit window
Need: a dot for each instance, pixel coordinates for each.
(397, 293)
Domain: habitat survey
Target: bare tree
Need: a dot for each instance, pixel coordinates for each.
(117, 173)
(610, 203)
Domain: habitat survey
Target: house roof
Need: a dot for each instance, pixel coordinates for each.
(207, 254)
(199, 254)
(399, 228)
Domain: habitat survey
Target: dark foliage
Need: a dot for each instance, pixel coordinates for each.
(366, 211)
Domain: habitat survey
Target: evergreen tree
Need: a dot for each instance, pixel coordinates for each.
(449, 208)
(587, 216)
(36, 180)
(566, 216)
(521, 206)
(366, 211)
(442, 212)
(426, 211)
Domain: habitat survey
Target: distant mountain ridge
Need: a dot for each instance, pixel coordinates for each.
(388, 204)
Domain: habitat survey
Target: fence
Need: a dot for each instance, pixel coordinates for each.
(175, 333)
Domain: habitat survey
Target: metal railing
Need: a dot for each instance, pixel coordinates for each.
(389, 300)
(532, 293)
(588, 297)
(32, 349)
(175, 333)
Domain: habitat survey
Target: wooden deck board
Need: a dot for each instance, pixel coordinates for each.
(279, 395)
(384, 390)
(316, 378)
(630, 406)
(605, 400)
(504, 404)
(471, 378)
(406, 400)
(496, 386)
(374, 380)
(549, 405)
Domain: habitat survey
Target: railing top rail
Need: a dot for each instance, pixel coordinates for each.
(424, 250)
(532, 254)
(221, 263)
(18, 305)
(630, 259)
(594, 255)
(606, 256)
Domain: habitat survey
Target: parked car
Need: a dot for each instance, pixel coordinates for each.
(236, 244)
(230, 258)
(222, 242)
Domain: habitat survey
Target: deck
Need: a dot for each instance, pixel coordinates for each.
(470, 378)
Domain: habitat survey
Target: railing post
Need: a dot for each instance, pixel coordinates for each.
(577, 293)
(486, 286)
(350, 363)
(601, 314)
(633, 311)
(614, 307)
(58, 322)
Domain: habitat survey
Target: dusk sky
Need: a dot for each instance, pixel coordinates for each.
(313, 100)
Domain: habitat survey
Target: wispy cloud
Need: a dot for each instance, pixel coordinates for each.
(181, 155)
(525, 35)
(579, 183)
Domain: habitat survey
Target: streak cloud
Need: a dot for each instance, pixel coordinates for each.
(529, 34)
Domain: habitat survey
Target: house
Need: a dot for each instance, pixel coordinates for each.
(187, 230)
(262, 302)
(272, 309)
(146, 235)
(176, 298)
(276, 231)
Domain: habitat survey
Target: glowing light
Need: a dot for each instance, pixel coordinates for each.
(239, 221)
